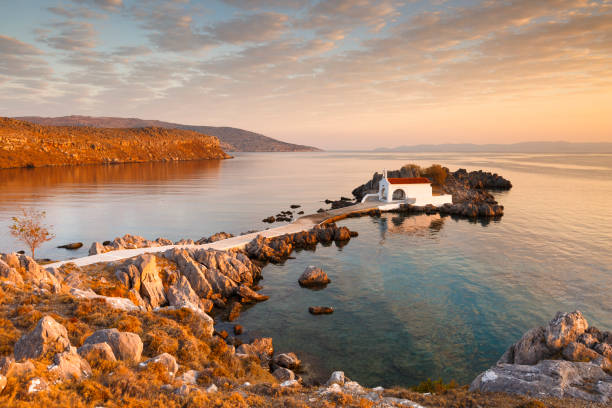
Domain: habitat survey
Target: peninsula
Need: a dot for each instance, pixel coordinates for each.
(232, 139)
(24, 144)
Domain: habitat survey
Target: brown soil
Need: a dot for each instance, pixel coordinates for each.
(23, 144)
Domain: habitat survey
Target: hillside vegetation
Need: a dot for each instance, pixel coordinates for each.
(24, 144)
(232, 139)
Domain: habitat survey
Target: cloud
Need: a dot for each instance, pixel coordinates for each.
(257, 4)
(75, 12)
(171, 28)
(69, 36)
(261, 27)
(21, 60)
(110, 5)
(332, 16)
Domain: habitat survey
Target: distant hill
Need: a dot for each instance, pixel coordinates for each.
(524, 147)
(232, 139)
(25, 144)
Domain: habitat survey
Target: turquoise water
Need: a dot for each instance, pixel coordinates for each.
(415, 297)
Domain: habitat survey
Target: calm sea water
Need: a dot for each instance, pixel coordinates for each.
(415, 297)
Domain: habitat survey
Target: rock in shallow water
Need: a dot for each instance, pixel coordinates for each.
(313, 277)
(319, 310)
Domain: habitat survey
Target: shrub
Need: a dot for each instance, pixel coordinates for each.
(434, 386)
(29, 229)
(415, 169)
(436, 173)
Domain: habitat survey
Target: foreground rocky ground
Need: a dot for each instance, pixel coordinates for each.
(141, 332)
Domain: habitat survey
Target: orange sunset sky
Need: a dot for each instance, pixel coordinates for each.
(349, 74)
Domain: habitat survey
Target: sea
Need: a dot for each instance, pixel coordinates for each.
(415, 297)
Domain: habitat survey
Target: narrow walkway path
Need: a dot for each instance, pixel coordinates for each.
(304, 223)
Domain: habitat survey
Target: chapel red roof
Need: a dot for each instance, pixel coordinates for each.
(408, 180)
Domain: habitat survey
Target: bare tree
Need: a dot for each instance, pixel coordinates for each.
(29, 229)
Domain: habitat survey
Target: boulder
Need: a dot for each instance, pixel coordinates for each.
(588, 339)
(548, 378)
(313, 277)
(337, 377)
(578, 352)
(283, 374)
(96, 352)
(70, 366)
(189, 377)
(151, 286)
(119, 303)
(166, 360)
(2, 383)
(10, 273)
(250, 296)
(73, 245)
(287, 360)
(530, 349)
(96, 248)
(37, 384)
(234, 311)
(564, 329)
(220, 283)
(261, 348)
(181, 293)
(605, 349)
(126, 346)
(47, 336)
(35, 274)
(191, 270)
(319, 310)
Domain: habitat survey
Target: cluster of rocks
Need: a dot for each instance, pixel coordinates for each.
(21, 269)
(129, 241)
(338, 383)
(69, 363)
(283, 216)
(565, 358)
(465, 209)
(341, 203)
(277, 249)
(482, 180)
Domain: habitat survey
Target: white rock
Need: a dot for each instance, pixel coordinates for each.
(114, 302)
(189, 377)
(289, 383)
(354, 387)
(337, 377)
(37, 385)
(212, 388)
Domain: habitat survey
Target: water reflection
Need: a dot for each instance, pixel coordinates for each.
(421, 225)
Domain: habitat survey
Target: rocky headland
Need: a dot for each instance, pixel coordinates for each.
(24, 144)
(470, 191)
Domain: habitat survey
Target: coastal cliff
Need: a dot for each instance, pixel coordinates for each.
(23, 144)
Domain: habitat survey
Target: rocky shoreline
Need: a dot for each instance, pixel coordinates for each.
(147, 329)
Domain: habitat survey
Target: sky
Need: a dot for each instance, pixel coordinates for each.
(337, 74)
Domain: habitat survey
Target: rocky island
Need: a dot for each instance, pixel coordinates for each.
(23, 144)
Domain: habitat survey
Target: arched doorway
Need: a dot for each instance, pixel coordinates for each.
(399, 195)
